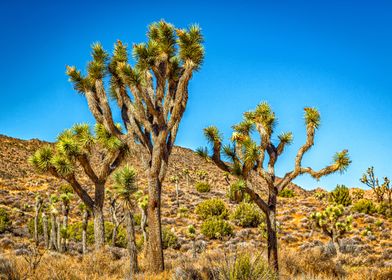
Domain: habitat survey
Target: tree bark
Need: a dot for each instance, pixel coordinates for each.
(271, 229)
(53, 242)
(36, 217)
(99, 227)
(65, 226)
(84, 231)
(132, 250)
(143, 226)
(45, 229)
(155, 248)
(58, 226)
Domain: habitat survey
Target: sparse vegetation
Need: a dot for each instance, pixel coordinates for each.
(5, 221)
(247, 215)
(364, 206)
(340, 196)
(288, 193)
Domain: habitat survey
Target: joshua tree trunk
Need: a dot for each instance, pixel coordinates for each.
(65, 226)
(143, 225)
(177, 195)
(99, 227)
(53, 242)
(132, 250)
(36, 217)
(58, 226)
(271, 229)
(155, 249)
(45, 229)
(84, 231)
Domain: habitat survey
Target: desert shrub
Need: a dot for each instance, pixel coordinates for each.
(236, 193)
(211, 207)
(286, 193)
(244, 266)
(340, 195)
(320, 194)
(247, 215)
(75, 233)
(5, 222)
(364, 206)
(137, 218)
(183, 212)
(312, 262)
(216, 228)
(357, 194)
(384, 209)
(203, 187)
(8, 270)
(30, 225)
(169, 239)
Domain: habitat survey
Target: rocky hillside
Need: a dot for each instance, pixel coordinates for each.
(19, 185)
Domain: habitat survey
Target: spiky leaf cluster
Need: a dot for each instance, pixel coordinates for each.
(340, 195)
(125, 183)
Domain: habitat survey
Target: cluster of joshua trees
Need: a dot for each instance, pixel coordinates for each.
(152, 95)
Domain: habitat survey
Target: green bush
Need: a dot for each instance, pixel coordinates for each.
(211, 207)
(75, 233)
(247, 215)
(236, 193)
(169, 239)
(320, 194)
(340, 195)
(384, 209)
(364, 206)
(5, 222)
(203, 187)
(286, 193)
(216, 228)
(357, 194)
(244, 266)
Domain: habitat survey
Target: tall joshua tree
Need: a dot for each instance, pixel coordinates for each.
(152, 96)
(38, 206)
(125, 186)
(66, 195)
(85, 215)
(372, 182)
(77, 147)
(247, 161)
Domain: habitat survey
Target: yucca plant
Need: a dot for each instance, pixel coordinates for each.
(152, 95)
(77, 147)
(247, 160)
(333, 222)
(340, 195)
(125, 187)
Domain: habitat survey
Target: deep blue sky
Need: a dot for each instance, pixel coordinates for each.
(334, 55)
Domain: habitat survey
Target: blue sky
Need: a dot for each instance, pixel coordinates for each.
(333, 55)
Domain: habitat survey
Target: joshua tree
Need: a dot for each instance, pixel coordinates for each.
(247, 161)
(142, 200)
(152, 97)
(117, 219)
(38, 206)
(45, 228)
(192, 235)
(125, 186)
(332, 222)
(65, 199)
(372, 182)
(186, 173)
(86, 215)
(175, 180)
(53, 245)
(77, 147)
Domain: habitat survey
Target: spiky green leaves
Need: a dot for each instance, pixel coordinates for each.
(286, 138)
(105, 138)
(262, 116)
(341, 161)
(130, 76)
(41, 159)
(202, 152)
(97, 67)
(163, 35)
(190, 44)
(212, 134)
(312, 117)
(125, 183)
